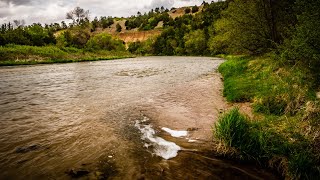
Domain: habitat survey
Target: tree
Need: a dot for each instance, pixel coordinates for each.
(104, 41)
(304, 46)
(95, 24)
(187, 11)
(195, 9)
(195, 42)
(118, 27)
(77, 15)
(64, 25)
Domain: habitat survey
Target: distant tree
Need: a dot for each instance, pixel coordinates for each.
(187, 11)
(106, 22)
(104, 41)
(195, 9)
(95, 24)
(118, 27)
(195, 42)
(64, 25)
(162, 9)
(77, 15)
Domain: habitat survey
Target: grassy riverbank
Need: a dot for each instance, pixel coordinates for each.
(26, 55)
(284, 133)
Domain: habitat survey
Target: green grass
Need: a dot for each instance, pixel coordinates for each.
(256, 140)
(11, 55)
(286, 134)
(273, 89)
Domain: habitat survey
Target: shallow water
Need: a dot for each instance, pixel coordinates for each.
(62, 119)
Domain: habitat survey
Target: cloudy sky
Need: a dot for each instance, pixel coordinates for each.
(49, 11)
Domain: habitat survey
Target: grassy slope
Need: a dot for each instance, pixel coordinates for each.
(26, 55)
(286, 137)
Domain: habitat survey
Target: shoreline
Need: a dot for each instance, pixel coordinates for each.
(59, 61)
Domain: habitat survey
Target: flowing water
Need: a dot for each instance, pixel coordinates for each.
(90, 121)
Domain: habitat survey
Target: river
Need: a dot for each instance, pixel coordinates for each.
(110, 119)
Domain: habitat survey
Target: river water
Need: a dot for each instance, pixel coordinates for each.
(96, 120)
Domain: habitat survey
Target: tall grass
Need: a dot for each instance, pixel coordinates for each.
(293, 156)
(273, 89)
(20, 55)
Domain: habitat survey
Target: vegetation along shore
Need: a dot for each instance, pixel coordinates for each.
(272, 50)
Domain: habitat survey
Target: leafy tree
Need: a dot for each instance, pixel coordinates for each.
(64, 25)
(305, 44)
(195, 9)
(187, 10)
(118, 27)
(95, 24)
(105, 41)
(195, 43)
(106, 22)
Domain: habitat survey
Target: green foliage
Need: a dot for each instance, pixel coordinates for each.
(188, 34)
(104, 41)
(106, 22)
(232, 128)
(273, 89)
(195, 42)
(187, 10)
(39, 36)
(253, 26)
(20, 55)
(141, 48)
(304, 46)
(73, 38)
(118, 27)
(255, 140)
(195, 9)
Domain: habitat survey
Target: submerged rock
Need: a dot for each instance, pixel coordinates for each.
(77, 173)
(27, 149)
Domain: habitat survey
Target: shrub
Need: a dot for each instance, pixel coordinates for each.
(187, 11)
(195, 9)
(104, 41)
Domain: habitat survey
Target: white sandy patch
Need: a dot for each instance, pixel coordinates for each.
(174, 133)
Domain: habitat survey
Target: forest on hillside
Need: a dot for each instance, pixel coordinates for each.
(287, 28)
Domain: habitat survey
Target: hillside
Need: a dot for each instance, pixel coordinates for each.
(134, 35)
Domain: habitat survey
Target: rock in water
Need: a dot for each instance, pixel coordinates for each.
(77, 173)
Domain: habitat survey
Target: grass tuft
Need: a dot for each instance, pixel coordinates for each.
(289, 153)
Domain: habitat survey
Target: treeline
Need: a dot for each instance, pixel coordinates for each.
(290, 29)
(189, 34)
(34, 35)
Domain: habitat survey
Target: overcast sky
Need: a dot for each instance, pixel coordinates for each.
(49, 11)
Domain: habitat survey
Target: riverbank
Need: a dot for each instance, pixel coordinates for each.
(283, 133)
(11, 55)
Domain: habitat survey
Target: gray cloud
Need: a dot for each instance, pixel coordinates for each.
(17, 2)
(50, 11)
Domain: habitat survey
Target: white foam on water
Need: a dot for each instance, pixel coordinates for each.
(174, 133)
(192, 140)
(161, 147)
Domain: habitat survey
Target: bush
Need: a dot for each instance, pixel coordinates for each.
(187, 11)
(104, 41)
(118, 28)
(195, 9)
